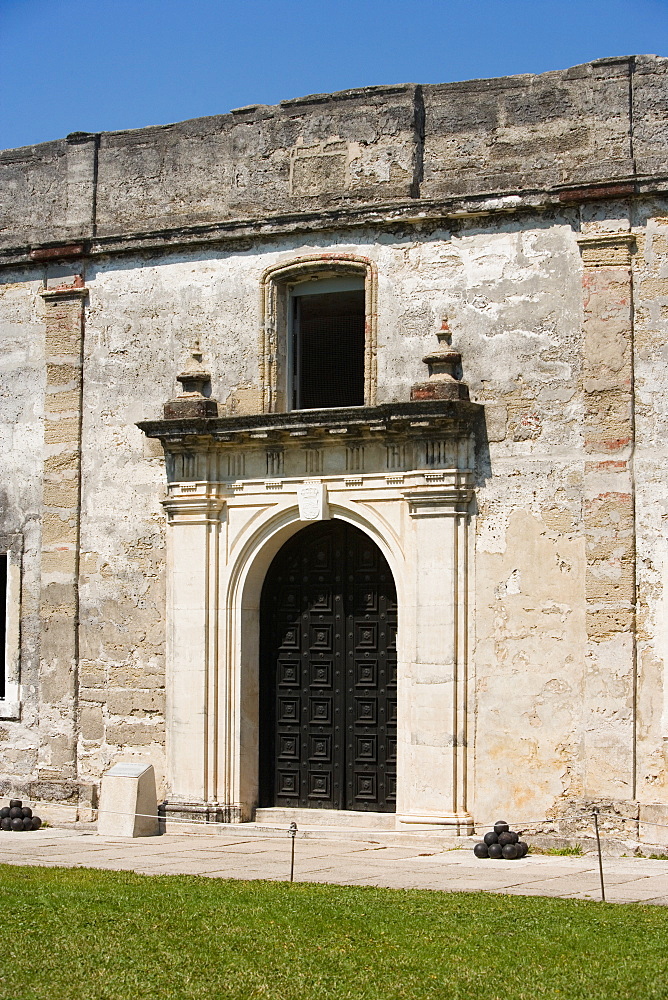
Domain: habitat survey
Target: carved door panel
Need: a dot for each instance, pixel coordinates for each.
(328, 674)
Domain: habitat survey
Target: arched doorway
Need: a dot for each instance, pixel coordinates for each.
(328, 673)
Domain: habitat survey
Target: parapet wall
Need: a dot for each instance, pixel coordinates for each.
(601, 123)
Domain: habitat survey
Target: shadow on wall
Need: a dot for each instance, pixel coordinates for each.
(483, 458)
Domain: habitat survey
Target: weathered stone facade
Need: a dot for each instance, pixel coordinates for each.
(525, 217)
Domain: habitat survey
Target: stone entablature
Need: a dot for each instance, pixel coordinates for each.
(386, 440)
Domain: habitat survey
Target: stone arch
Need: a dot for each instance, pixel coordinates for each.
(254, 556)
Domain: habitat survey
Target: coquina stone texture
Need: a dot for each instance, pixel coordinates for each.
(524, 219)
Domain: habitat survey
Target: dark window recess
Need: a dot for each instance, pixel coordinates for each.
(3, 619)
(329, 350)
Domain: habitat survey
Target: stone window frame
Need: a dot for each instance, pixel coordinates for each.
(10, 705)
(274, 294)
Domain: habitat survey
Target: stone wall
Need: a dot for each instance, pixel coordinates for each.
(22, 382)
(560, 312)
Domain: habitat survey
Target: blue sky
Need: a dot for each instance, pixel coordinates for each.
(101, 65)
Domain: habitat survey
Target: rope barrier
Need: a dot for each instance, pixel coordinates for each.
(524, 827)
(161, 817)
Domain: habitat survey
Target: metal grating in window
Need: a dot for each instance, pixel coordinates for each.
(329, 350)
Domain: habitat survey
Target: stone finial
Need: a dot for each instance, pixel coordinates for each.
(442, 363)
(192, 402)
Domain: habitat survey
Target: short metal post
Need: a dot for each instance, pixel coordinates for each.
(600, 859)
(292, 833)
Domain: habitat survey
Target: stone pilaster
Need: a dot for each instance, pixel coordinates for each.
(609, 516)
(64, 320)
(434, 761)
(193, 663)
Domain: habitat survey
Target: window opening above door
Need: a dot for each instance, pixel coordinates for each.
(327, 320)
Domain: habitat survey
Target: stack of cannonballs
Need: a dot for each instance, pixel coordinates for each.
(501, 842)
(18, 817)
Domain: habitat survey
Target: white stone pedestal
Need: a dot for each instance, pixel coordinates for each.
(128, 802)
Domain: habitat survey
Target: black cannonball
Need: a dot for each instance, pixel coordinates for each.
(15, 802)
(27, 822)
(35, 823)
(510, 851)
(16, 812)
(506, 838)
(515, 836)
(495, 851)
(524, 847)
(480, 851)
(490, 838)
(501, 827)
(4, 812)
(5, 823)
(17, 824)
(27, 812)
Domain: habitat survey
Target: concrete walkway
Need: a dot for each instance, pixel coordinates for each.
(627, 880)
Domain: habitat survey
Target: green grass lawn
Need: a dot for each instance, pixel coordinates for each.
(96, 935)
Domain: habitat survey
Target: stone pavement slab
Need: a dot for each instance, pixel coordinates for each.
(337, 862)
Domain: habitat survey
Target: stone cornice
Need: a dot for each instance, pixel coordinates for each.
(410, 213)
(302, 427)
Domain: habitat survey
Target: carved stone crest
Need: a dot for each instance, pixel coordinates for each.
(312, 500)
